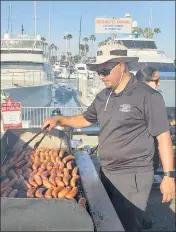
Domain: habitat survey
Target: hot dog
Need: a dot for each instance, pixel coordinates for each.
(56, 165)
(18, 171)
(45, 174)
(27, 173)
(66, 180)
(12, 174)
(58, 159)
(61, 167)
(36, 159)
(40, 171)
(54, 172)
(72, 193)
(48, 194)
(69, 165)
(46, 183)
(19, 164)
(74, 180)
(38, 180)
(30, 192)
(47, 158)
(28, 165)
(4, 182)
(6, 191)
(64, 192)
(55, 153)
(61, 153)
(66, 172)
(36, 165)
(20, 179)
(52, 180)
(5, 168)
(55, 191)
(60, 173)
(59, 182)
(32, 182)
(39, 193)
(75, 171)
(42, 157)
(53, 158)
(68, 158)
(44, 165)
(49, 166)
(25, 184)
(33, 173)
(10, 183)
(13, 193)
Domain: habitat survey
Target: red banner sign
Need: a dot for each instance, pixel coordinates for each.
(11, 115)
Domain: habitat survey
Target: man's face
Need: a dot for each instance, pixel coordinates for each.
(155, 82)
(112, 73)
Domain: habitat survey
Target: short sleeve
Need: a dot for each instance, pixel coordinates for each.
(91, 113)
(156, 114)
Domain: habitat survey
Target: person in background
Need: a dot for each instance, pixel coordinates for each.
(129, 120)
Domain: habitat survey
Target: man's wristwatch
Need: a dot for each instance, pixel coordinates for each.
(170, 173)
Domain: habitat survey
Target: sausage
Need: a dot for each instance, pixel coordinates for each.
(72, 193)
(61, 153)
(12, 174)
(10, 183)
(4, 182)
(48, 158)
(61, 167)
(36, 159)
(68, 158)
(55, 153)
(27, 172)
(39, 193)
(64, 192)
(40, 171)
(69, 165)
(37, 179)
(19, 164)
(28, 165)
(50, 152)
(42, 157)
(13, 193)
(60, 173)
(56, 165)
(66, 172)
(20, 179)
(66, 180)
(52, 181)
(45, 174)
(5, 168)
(75, 171)
(48, 194)
(49, 166)
(82, 202)
(6, 191)
(36, 165)
(55, 191)
(44, 165)
(74, 180)
(32, 182)
(58, 159)
(18, 171)
(53, 158)
(53, 172)
(33, 173)
(46, 183)
(59, 182)
(20, 157)
(30, 192)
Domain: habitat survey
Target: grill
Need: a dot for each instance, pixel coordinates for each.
(40, 214)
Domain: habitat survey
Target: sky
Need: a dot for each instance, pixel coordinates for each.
(65, 19)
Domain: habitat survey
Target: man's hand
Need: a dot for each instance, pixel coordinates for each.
(167, 188)
(53, 122)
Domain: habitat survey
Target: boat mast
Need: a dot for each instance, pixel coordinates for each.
(79, 34)
(49, 27)
(150, 24)
(35, 26)
(10, 19)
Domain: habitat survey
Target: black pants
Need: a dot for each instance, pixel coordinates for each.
(129, 195)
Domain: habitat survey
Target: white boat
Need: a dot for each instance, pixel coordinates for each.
(26, 74)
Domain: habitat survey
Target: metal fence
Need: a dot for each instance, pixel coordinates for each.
(35, 116)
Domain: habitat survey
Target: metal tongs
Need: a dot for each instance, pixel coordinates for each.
(37, 143)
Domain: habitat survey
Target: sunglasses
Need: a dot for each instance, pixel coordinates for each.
(156, 81)
(106, 71)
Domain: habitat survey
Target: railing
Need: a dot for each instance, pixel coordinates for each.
(35, 116)
(27, 78)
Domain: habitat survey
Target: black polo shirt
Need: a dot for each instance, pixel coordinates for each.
(127, 127)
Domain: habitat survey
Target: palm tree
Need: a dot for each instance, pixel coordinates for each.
(69, 37)
(81, 46)
(92, 38)
(85, 39)
(139, 30)
(157, 31)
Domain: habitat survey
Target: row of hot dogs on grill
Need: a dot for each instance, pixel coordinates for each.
(44, 173)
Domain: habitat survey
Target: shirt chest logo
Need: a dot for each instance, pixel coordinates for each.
(125, 108)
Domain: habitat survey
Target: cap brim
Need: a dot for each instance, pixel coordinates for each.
(127, 59)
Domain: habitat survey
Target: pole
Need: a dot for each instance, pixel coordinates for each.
(35, 26)
(11, 18)
(80, 34)
(49, 27)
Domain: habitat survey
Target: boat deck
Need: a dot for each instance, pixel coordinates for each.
(7, 84)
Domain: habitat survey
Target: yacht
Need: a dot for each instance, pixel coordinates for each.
(26, 73)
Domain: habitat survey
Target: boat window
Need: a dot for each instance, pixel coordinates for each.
(80, 68)
(11, 43)
(22, 65)
(139, 44)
